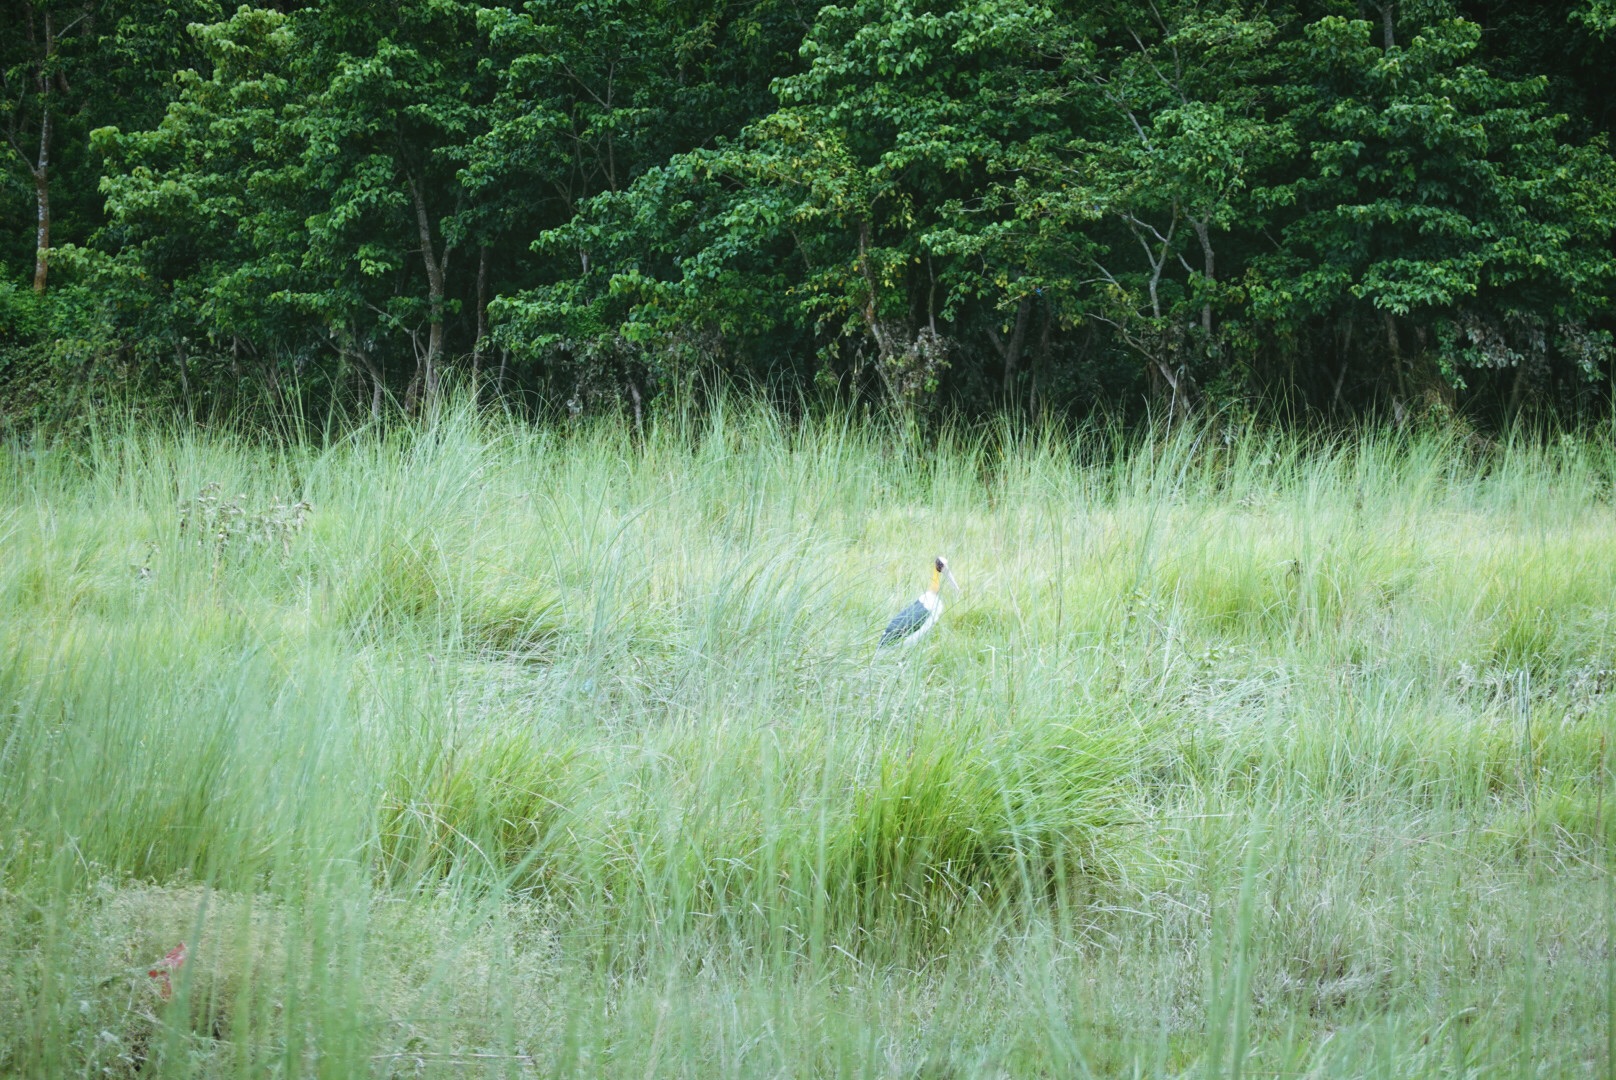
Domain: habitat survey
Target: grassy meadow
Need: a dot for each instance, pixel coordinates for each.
(480, 749)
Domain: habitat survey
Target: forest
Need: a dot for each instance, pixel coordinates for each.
(1395, 209)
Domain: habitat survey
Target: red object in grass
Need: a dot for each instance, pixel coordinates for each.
(166, 966)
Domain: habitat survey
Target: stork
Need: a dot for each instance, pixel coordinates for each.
(913, 622)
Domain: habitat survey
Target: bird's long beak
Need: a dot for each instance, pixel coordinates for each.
(952, 582)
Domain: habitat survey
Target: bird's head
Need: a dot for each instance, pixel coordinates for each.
(939, 571)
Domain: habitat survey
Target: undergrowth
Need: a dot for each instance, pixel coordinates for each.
(486, 749)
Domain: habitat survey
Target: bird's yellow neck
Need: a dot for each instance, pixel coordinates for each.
(936, 580)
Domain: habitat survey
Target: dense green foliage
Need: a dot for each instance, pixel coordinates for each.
(486, 749)
(1319, 205)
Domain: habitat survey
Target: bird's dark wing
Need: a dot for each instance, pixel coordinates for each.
(905, 622)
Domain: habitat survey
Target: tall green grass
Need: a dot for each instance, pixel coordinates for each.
(485, 749)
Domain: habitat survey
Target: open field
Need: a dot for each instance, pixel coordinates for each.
(486, 750)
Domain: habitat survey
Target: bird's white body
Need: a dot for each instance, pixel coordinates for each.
(933, 603)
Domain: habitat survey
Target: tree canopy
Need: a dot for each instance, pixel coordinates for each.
(1294, 206)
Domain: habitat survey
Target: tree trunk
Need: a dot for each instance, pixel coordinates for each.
(41, 167)
(181, 362)
(482, 316)
(1388, 23)
(377, 382)
(883, 343)
(434, 282)
(639, 411)
(42, 200)
(1346, 359)
(47, 80)
(1394, 352)
(1517, 392)
(1203, 233)
(1018, 341)
(1040, 364)
(871, 322)
(1169, 376)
